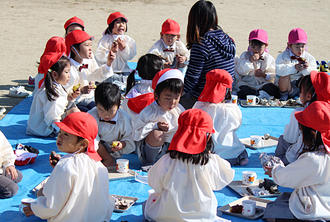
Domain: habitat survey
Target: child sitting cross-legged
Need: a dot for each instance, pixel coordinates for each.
(185, 177)
(156, 124)
(78, 187)
(115, 125)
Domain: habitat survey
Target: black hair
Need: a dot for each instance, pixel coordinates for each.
(107, 95)
(174, 85)
(306, 83)
(200, 158)
(49, 79)
(108, 31)
(228, 94)
(82, 27)
(312, 140)
(147, 67)
(256, 43)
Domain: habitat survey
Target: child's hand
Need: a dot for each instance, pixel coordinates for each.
(121, 44)
(118, 145)
(86, 89)
(255, 57)
(12, 172)
(27, 209)
(299, 67)
(163, 126)
(114, 47)
(74, 95)
(268, 171)
(54, 158)
(181, 59)
(305, 65)
(259, 73)
(111, 57)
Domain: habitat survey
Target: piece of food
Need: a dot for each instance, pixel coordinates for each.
(236, 209)
(76, 87)
(115, 143)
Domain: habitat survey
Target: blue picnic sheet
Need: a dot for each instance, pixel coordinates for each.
(256, 121)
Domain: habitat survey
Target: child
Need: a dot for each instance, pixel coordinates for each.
(315, 86)
(84, 70)
(50, 102)
(115, 127)
(227, 117)
(73, 23)
(9, 175)
(114, 37)
(256, 68)
(293, 63)
(309, 174)
(184, 178)
(157, 123)
(78, 187)
(170, 47)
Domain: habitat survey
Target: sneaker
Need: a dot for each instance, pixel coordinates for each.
(31, 81)
(18, 91)
(2, 110)
(28, 148)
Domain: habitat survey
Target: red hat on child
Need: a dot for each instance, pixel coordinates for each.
(217, 81)
(84, 125)
(296, 36)
(321, 83)
(317, 117)
(137, 104)
(72, 21)
(76, 37)
(191, 136)
(165, 74)
(171, 27)
(114, 16)
(260, 35)
(54, 50)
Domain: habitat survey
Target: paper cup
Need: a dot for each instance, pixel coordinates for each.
(249, 177)
(249, 207)
(122, 165)
(25, 200)
(252, 100)
(256, 141)
(234, 99)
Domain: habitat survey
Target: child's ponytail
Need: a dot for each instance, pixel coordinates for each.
(130, 81)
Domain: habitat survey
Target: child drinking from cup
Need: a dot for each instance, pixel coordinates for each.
(185, 177)
(256, 68)
(309, 174)
(78, 187)
(293, 63)
(227, 117)
(156, 124)
(170, 47)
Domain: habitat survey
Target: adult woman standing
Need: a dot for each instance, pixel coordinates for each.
(210, 47)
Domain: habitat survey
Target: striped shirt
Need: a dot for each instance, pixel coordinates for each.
(215, 51)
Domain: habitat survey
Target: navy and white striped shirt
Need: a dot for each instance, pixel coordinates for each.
(215, 51)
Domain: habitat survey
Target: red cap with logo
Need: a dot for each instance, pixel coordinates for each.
(72, 21)
(137, 104)
(321, 83)
(171, 27)
(217, 81)
(317, 117)
(114, 16)
(75, 37)
(191, 136)
(165, 74)
(84, 125)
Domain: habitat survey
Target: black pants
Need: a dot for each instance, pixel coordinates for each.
(269, 88)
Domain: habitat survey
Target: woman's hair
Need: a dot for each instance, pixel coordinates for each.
(312, 140)
(107, 95)
(174, 85)
(202, 18)
(49, 79)
(147, 67)
(200, 158)
(306, 84)
(108, 31)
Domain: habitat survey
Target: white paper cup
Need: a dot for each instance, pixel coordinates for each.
(122, 165)
(25, 200)
(234, 99)
(249, 177)
(252, 100)
(249, 207)
(256, 141)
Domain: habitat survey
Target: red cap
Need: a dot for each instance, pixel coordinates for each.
(296, 36)
(75, 37)
(321, 83)
(217, 81)
(114, 16)
(171, 27)
(317, 117)
(165, 74)
(74, 20)
(260, 35)
(83, 125)
(191, 135)
(54, 50)
(137, 104)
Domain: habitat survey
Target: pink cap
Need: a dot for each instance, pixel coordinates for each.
(260, 35)
(296, 36)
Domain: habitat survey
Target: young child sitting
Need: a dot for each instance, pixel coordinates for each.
(115, 126)
(125, 47)
(170, 47)
(256, 68)
(315, 86)
(156, 124)
(293, 63)
(309, 174)
(78, 187)
(185, 177)
(9, 175)
(227, 117)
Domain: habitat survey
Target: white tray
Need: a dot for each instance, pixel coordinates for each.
(266, 143)
(130, 200)
(240, 188)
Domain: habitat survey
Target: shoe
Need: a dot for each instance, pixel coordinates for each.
(2, 110)
(31, 81)
(19, 92)
(27, 148)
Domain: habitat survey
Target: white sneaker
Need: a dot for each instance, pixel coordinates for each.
(18, 91)
(2, 110)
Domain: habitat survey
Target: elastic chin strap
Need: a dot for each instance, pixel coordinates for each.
(77, 53)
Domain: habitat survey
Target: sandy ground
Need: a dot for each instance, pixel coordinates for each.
(27, 25)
